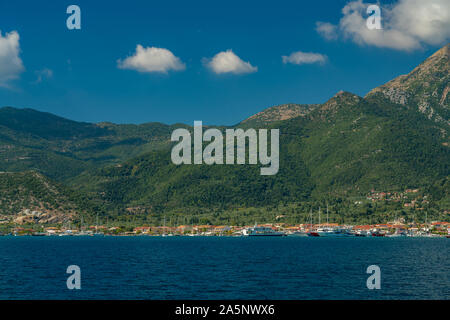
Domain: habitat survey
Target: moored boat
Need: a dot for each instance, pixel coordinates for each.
(261, 231)
(298, 233)
(38, 234)
(332, 232)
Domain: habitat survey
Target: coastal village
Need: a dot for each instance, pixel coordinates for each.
(56, 225)
(393, 229)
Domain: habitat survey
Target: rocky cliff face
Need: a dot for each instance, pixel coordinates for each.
(425, 88)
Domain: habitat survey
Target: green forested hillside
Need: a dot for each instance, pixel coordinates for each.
(62, 149)
(371, 144)
(337, 153)
(33, 191)
(357, 146)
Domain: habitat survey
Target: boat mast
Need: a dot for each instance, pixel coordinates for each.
(327, 215)
(319, 216)
(310, 214)
(164, 229)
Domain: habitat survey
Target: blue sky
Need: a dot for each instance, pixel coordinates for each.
(76, 73)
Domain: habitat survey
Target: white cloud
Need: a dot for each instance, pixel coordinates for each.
(327, 30)
(228, 62)
(427, 21)
(406, 24)
(300, 57)
(152, 59)
(43, 74)
(10, 63)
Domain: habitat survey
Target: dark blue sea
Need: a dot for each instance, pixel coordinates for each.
(223, 267)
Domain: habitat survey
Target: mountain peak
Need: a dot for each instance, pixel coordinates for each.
(280, 112)
(438, 61)
(292, 110)
(341, 98)
(345, 94)
(442, 52)
(425, 88)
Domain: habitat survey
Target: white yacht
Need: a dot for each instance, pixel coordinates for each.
(332, 232)
(261, 231)
(298, 233)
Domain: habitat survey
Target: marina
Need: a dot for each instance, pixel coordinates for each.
(325, 230)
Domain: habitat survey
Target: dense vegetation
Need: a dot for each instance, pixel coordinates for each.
(370, 144)
(335, 153)
(33, 191)
(62, 149)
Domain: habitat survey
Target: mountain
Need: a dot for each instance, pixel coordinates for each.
(348, 145)
(45, 125)
(62, 148)
(352, 144)
(426, 88)
(339, 101)
(30, 196)
(336, 152)
(278, 113)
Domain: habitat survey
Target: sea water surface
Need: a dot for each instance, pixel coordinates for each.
(223, 267)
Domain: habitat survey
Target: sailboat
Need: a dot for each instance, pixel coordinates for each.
(164, 228)
(312, 233)
(330, 231)
(96, 228)
(83, 231)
